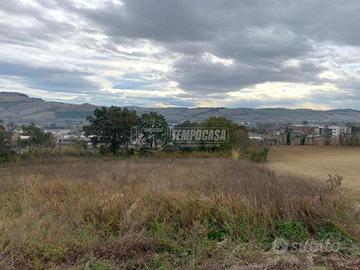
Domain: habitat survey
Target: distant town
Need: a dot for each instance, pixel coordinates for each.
(264, 134)
(266, 126)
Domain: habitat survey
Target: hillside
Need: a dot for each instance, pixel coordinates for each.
(21, 108)
(267, 115)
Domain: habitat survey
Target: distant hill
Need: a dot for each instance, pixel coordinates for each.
(21, 108)
(268, 115)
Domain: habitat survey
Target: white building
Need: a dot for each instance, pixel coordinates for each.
(334, 131)
(62, 136)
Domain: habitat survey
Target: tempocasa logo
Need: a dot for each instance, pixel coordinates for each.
(154, 136)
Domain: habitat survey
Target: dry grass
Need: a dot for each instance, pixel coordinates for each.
(319, 162)
(156, 213)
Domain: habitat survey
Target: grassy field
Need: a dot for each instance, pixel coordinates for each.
(318, 162)
(178, 213)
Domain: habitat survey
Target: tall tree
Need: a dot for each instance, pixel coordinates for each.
(153, 117)
(37, 137)
(5, 145)
(288, 132)
(238, 136)
(111, 127)
(154, 131)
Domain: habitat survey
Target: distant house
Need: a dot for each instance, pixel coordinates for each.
(305, 129)
(311, 134)
(62, 136)
(257, 137)
(66, 140)
(334, 131)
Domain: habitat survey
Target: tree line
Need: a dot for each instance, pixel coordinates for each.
(31, 137)
(109, 130)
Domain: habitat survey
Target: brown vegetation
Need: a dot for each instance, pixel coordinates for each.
(159, 214)
(318, 162)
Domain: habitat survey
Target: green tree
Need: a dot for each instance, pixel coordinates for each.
(303, 139)
(238, 135)
(37, 137)
(5, 145)
(80, 145)
(288, 136)
(153, 139)
(184, 146)
(111, 127)
(153, 117)
(305, 123)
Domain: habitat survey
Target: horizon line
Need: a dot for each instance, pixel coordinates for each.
(176, 107)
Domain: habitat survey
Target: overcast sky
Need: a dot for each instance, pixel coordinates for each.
(156, 53)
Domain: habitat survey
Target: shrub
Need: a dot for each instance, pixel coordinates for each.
(293, 231)
(6, 154)
(330, 231)
(258, 154)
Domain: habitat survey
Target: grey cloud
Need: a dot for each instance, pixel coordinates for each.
(152, 19)
(44, 29)
(258, 35)
(198, 20)
(197, 74)
(47, 78)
